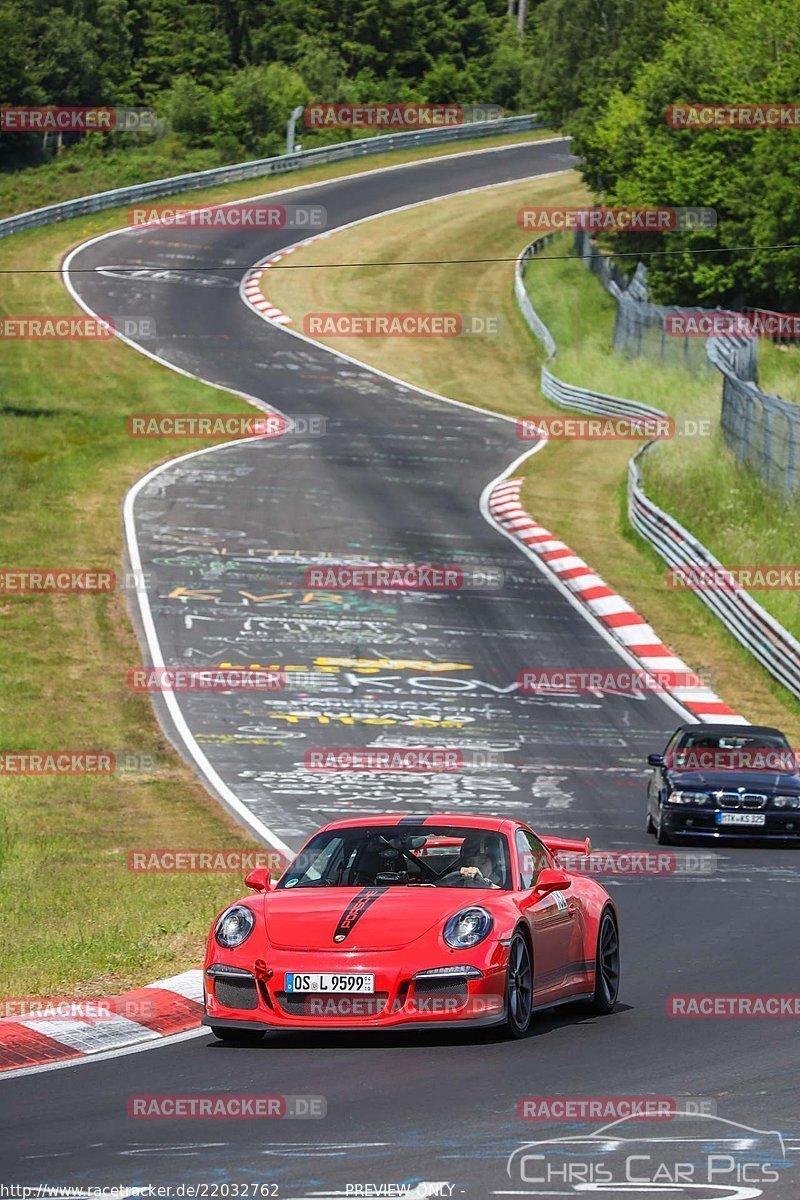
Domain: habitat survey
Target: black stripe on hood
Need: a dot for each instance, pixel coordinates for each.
(355, 911)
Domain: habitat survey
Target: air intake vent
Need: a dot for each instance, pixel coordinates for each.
(236, 991)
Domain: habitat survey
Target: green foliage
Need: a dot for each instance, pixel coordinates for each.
(187, 108)
(611, 69)
(225, 74)
(248, 113)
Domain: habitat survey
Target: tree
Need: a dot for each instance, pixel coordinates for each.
(188, 109)
(254, 108)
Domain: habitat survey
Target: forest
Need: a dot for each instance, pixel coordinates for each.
(224, 75)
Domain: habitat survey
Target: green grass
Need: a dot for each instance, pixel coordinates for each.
(580, 315)
(76, 920)
(80, 920)
(696, 479)
(729, 509)
(779, 370)
(86, 169)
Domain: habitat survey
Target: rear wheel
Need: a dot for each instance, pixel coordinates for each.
(237, 1037)
(649, 826)
(606, 976)
(519, 987)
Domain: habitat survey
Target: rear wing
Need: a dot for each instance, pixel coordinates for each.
(569, 845)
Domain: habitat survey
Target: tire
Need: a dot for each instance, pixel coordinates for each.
(606, 977)
(519, 987)
(237, 1037)
(649, 826)
(662, 837)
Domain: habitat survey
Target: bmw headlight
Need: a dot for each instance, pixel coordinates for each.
(786, 801)
(234, 926)
(467, 928)
(688, 798)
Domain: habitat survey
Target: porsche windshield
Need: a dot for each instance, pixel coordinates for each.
(402, 856)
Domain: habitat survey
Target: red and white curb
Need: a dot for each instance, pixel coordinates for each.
(157, 1010)
(253, 283)
(612, 610)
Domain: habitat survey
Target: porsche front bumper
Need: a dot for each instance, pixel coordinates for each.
(253, 995)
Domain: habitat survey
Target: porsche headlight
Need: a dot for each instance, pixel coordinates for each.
(467, 928)
(234, 926)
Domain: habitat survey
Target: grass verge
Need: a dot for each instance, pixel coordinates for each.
(779, 370)
(83, 924)
(696, 479)
(575, 488)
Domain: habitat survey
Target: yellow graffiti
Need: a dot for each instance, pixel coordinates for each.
(306, 598)
(369, 665)
(346, 719)
(361, 666)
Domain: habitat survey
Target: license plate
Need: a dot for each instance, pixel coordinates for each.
(741, 818)
(340, 984)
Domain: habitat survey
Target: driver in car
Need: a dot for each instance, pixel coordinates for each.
(477, 865)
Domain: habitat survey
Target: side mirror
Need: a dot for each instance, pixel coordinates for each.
(551, 881)
(259, 880)
(655, 760)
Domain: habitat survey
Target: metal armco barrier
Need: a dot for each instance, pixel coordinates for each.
(742, 616)
(280, 164)
(568, 395)
(760, 633)
(762, 429)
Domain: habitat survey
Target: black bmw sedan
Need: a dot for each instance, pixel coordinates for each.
(720, 781)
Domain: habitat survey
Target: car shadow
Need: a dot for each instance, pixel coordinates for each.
(544, 1022)
(728, 843)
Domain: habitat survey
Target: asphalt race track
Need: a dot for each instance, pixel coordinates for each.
(225, 540)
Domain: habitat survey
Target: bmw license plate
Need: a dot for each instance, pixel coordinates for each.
(340, 984)
(741, 818)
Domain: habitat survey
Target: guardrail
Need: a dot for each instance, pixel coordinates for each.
(750, 624)
(568, 395)
(279, 164)
(761, 429)
(759, 632)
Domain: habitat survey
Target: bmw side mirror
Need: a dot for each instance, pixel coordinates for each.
(655, 760)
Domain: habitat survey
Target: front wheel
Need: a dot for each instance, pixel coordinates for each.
(606, 974)
(237, 1037)
(519, 987)
(662, 837)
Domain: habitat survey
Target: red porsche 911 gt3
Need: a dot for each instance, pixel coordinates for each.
(372, 927)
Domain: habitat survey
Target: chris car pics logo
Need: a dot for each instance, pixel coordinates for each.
(704, 1156)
